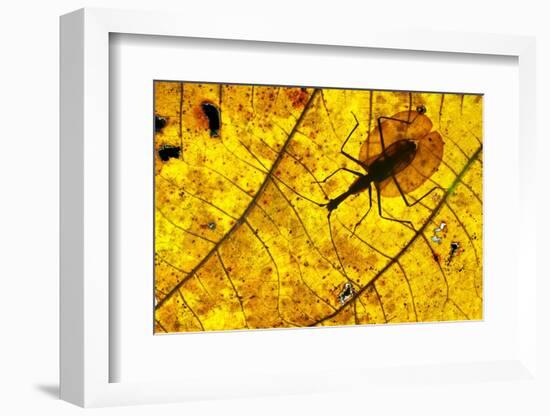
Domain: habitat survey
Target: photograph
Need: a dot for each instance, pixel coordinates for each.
(300, 206)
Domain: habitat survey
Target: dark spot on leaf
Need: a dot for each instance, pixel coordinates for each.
(167, 151)
(213, 114)
(160, 123)
(421, 109)
(454, 247)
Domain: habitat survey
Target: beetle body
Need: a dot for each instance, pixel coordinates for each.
(391, 161)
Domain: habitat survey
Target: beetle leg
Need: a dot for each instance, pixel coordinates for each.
(350, 157)
(405, 198)
(337, 170)
(366, 213)
(410, 224)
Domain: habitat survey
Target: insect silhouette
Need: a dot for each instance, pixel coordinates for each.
(400, 154)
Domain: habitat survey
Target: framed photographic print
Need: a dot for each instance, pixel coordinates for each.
(279, 225)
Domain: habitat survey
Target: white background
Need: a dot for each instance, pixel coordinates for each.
(29, 210)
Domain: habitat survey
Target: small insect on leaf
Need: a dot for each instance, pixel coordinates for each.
(421, 109)
(406, 125)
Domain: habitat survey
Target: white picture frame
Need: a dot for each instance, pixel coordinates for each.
(85, 356)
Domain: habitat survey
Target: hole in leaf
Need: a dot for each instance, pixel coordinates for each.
(166, 152)
(213, 115)
(160, 123)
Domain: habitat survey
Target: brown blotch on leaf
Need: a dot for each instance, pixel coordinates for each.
(298, 97)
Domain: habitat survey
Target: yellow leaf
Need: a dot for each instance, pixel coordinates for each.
(262, 199)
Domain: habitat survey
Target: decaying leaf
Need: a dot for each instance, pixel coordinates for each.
(246, 235)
